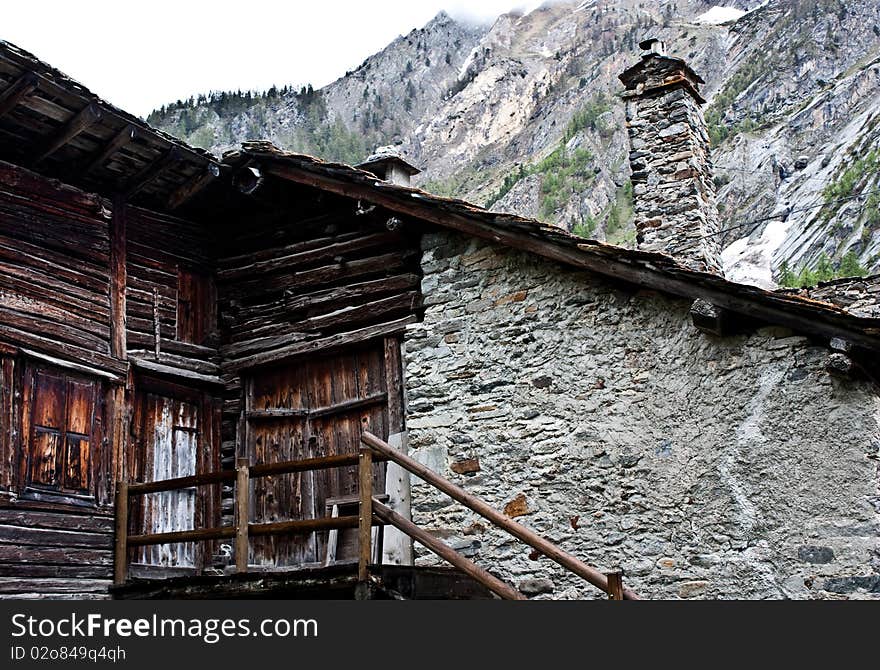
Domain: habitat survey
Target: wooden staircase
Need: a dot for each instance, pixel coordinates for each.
(362, 580)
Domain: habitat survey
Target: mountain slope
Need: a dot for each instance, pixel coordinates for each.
(523, 116)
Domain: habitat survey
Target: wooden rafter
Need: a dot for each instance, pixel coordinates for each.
(193, 186)
(122, 138)
(151, 171)
(17, 91)
(90, 115)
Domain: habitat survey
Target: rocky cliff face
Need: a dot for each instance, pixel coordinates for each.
(523, 116)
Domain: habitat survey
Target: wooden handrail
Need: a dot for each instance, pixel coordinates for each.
(447, 553)
(528, 536)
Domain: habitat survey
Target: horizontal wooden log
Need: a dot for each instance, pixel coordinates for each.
(303, 465)
(265, 252)
(64, 351)
(59, 267)
(50, 537)
(319, 412)
(305, 526)
(343, 271)
(80, 571)
(323, 344)
(53, 330)
(15, 178)
(138, 489)
(56, 520)
(14, 586)
(203, 534)
(292, 261)
(249, 318)
(447, 553)
(44, 309)
(18, 554)
(174, 371)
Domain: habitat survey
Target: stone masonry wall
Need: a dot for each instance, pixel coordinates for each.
(601, 418)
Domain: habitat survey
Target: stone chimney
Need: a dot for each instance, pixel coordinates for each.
(387, 164)
(674, 191)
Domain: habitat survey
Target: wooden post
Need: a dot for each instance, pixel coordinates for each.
(241, 515)
(365, 515)
(615, 585)
(120, 559)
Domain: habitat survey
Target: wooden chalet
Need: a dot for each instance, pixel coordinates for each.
(165, 315)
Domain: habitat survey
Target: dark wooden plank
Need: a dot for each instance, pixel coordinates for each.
(324, 344)
(292, 261)
(240, 532)
(151, 172)
(193, 186)
(128, 134)
(118, 274)
(16, 92)
(56, 520)
(445, 552)
(306, 526)
(200, 535)
(60, 555)
(75, 571)
(88, 116)
(202, 479)
(53, 538)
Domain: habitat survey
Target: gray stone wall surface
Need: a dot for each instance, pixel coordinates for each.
(598, 416)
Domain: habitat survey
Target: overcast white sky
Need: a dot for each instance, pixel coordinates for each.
(139, 55)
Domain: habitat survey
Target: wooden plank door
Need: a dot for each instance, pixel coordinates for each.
(309, 409)
(169, 436)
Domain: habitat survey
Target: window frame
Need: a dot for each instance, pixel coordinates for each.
(62, 493)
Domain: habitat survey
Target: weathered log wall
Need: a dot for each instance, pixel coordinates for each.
(309, 285)
(54, 269)
(169, 292)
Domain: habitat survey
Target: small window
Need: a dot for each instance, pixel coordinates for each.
(58, 432)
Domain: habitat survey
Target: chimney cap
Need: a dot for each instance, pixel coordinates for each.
(654, 46)
(382, 158)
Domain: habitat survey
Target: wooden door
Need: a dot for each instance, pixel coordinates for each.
(308, 409)
(168, 441)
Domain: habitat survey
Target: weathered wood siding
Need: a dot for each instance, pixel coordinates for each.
(170, 292)
(309, 409)
(47, 553)
(54, 269)
(319, 281)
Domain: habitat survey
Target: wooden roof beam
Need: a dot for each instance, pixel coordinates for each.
(151, 171)
(87, 117)
(193, 186)
(121, 139)
(17, 91)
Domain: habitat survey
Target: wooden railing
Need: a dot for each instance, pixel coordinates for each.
(371, 512)
(612, 583)
(242, 530)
